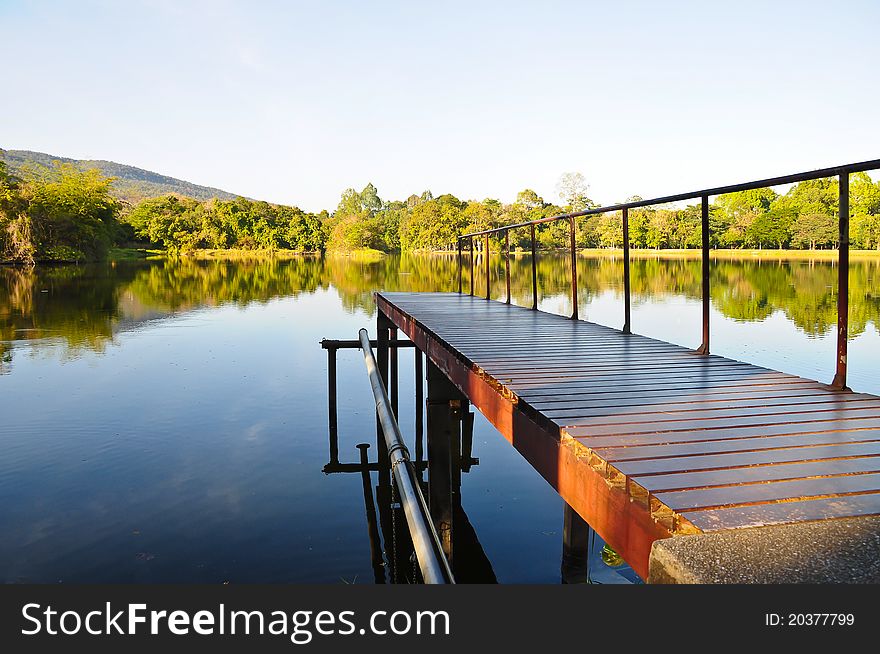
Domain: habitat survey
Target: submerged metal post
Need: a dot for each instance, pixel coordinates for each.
(534, 270)
(472, 264)
(459, 266)
(486, 255)
(395, 370)
(626, 290)
(383, 327)
(575, 548)
(420, 404)
(507, 262)
(444, 404)
(331, 404)
(433, 564)
(842, 283)
(574, 271)
(704, 215)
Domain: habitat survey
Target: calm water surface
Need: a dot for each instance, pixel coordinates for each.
(167, 421)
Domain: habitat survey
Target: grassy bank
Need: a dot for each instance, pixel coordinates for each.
(732, 254)
(368, 254)
(130, 254)
(768, 254)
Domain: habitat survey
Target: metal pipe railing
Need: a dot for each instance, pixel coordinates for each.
(432, 562)
(842, 172)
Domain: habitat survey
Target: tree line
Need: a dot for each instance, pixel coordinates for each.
(805, 217)
(62, 213)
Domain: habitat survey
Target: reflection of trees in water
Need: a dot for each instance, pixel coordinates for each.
(184, 284)
(85, 305)
(77, 304)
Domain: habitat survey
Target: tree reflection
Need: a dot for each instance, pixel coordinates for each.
(85, 306)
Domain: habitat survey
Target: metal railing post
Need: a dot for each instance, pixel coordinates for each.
(626, 289)
(842, 283)
(507, 262)
(574, 271)
(704, 347)
(459, 266)
(472, 265)
(486, 255)
(534, 271)
(333, 415)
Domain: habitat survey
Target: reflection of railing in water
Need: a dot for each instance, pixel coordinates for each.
(393, 520)
(841, 172)
(388, 537)
(429, 552)
(334, 465)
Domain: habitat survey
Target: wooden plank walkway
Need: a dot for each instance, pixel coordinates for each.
(645, 439)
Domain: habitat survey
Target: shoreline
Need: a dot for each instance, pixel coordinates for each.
(145, 254)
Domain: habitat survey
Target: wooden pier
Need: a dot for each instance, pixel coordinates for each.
(644, 439)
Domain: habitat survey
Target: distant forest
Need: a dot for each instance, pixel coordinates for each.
(65, 212)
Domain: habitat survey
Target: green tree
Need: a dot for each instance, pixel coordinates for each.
(814, 230)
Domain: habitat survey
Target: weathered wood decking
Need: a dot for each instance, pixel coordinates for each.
(645, 439)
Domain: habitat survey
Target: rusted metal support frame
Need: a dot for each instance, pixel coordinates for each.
(842, 283)
(627, 328)
(704, 219)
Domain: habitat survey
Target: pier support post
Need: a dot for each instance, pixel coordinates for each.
(575, 547)
(395, 372)
(445, 407)
(420, 405)
(383, 335)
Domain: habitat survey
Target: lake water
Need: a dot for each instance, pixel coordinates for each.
(166, 421)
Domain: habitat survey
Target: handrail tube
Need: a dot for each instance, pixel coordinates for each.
(432, 562)
(861, 166)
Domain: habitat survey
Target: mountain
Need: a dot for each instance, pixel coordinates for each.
(131, 184)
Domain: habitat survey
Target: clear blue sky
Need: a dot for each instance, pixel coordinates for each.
(294, 101)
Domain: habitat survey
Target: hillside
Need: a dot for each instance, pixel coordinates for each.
(131, 184)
